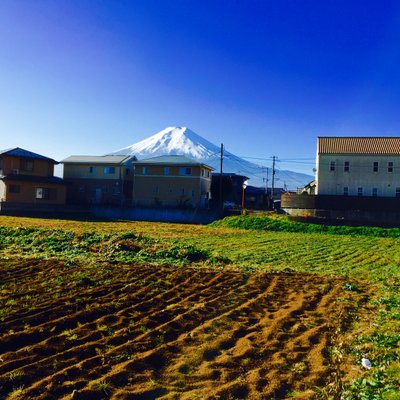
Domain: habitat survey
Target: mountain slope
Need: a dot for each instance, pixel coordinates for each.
(183, 141)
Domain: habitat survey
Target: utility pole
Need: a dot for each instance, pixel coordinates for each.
(221, 200)
(266, 183)
(273, 179)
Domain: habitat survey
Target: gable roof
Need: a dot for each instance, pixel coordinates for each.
(173, 160)
(18, 152)
(358, 145)
(97, 159)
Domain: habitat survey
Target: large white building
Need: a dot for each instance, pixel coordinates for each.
(358, 166)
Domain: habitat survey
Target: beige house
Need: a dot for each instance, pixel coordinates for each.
(171, 181)
(106, 180)
(27, 178)
(358, 166)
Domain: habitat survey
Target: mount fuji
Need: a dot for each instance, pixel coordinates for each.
(183, 141)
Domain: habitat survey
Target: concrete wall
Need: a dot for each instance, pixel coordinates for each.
(156, 214)
(360, 175)
(346, 209)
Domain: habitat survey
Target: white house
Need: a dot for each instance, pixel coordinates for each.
(358, 166)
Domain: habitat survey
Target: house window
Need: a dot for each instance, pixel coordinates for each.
(42, 193)
(191, 193)
(185, 171)
(360, 191)
(92, 170)
(202, 172)
(145, 170)
(167, 170)
(14, 188)
(208, 174)
(347, 166)
(128, 171)
(398, 192)
(26, 164)
(332, 166)
(109, 170)
(154, 189)
(374, 192)
(181, 192)
(390, 166)
(345, 191)
(375, 167)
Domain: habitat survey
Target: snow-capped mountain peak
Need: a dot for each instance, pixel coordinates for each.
(171, 140)
(183, 141)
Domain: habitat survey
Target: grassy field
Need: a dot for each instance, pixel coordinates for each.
(355, 281)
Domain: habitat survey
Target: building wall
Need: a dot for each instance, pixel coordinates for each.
(97, 184)
(18, 165)
(169, 186)
(97, 171)
(170, 191)
(361, 174)
(99, 191)
(2, 191)
(27, 192)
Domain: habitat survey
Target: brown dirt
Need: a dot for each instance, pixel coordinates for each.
(172, 333)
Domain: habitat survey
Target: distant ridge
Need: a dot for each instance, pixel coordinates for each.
(183, 141)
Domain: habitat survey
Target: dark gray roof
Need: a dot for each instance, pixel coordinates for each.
(18, 152)
(173, 160)
(116, 160)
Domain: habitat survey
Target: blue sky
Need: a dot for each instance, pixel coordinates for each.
(263, 77)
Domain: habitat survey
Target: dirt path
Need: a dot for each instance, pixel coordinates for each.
(172, 333)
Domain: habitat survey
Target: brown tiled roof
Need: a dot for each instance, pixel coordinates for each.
(359, 145)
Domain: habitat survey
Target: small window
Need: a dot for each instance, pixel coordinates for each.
(398, 192)
(26, 164)
(347, 166)
(360, 191)
(202, 172)
(109, 170)
(332, 166)
(92, 170)
(191, 193)
(185, 171)
(42, 193)
(167, 170)
(128, 171)
(208, 174)
(390, 166)
(374, 192)
(14, 188)
(376, 166)
(154, 189)
(345, 191)
(181, 192)
(145, 170)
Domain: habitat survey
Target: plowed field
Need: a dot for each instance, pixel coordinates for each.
(146, 332)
